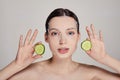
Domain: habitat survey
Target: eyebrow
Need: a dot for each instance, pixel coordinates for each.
(71, 28)
(53, 29)
(58, 30)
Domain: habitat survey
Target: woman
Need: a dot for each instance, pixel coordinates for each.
(62, 34)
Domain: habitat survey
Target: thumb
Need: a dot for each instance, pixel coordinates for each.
(88, 39)
(37, 56)
(88, 52)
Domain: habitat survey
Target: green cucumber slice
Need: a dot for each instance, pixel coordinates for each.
(39, 49)
(86, 45)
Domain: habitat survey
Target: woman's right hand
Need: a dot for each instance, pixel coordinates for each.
(25, 55)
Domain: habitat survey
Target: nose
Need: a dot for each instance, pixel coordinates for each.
(62, 40)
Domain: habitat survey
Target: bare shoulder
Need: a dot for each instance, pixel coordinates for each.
(31, 72)
(96, 72)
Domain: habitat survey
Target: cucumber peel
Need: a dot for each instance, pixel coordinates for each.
(86, 45)
(39, 49)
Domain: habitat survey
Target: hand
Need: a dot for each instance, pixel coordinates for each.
(97, 51)
(26, 50)
(25, 56)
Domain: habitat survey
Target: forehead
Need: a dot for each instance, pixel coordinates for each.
(62, 22)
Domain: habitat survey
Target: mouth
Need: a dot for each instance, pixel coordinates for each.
(63, 50)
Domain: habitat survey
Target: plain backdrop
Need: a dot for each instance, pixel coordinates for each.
(17, 16)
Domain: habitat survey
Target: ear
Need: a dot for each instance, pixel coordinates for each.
(46, 37)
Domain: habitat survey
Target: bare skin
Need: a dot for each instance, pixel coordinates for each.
(43, 71)
(63, 32)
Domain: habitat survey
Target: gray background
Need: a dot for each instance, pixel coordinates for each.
(17, 16)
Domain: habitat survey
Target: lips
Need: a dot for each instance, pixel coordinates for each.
(63, 50)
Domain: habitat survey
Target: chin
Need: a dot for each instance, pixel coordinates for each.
(63, 56)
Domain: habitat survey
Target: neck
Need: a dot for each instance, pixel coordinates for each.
(61, 62)
(63, 65)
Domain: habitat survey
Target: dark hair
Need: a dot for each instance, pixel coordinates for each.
(61, 12)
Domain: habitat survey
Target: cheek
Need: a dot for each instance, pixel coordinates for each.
(73, 42)
(73, 39)
(53, 43)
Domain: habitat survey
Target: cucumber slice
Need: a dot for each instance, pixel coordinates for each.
(39, 49)
(86, 45)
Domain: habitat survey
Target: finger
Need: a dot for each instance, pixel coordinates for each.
(38, 43)
(28, 37)
(89, 33)
(34, 36)
(93, 31)
(100, 35)
(21, 41)
(37, 56)
(87, 38)
(88, 52)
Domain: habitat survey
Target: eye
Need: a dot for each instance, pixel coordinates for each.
(54, 33)
(71, 33)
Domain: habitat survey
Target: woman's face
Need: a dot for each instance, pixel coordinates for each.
(62, 36)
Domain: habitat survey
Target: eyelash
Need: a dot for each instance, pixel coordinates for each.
(68, 33)
(71, 33)
(54, 33)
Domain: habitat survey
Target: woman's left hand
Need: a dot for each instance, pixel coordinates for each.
(97, 51)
